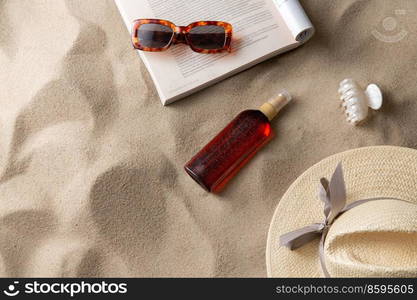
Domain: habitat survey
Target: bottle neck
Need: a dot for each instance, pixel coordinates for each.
(268, 110)
(271, 108)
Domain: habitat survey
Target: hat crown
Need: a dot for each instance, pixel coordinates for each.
(375, 239)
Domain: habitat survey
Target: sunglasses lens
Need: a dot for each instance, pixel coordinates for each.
(207, 37)
(154, 35)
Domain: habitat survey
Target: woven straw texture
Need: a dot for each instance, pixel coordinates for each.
(376, 239)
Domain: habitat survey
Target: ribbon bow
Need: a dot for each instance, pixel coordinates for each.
(333, 194)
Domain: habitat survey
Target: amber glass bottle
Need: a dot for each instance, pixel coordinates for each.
(235, 145)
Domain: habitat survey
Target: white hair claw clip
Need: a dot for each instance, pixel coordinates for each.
(356, 101)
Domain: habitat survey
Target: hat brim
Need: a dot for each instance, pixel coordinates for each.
(378, 171)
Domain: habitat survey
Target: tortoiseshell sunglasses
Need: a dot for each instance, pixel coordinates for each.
(202, 36)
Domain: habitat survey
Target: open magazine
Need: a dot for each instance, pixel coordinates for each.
(261, 29)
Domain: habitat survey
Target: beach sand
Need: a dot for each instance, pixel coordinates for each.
(91, 163)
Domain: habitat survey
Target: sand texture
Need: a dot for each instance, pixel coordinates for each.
(91, 163)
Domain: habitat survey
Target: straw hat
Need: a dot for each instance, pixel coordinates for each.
(375, 238)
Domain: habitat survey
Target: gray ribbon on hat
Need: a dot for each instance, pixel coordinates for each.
(333, 194)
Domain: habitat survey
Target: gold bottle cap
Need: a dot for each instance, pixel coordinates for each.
(271, 108)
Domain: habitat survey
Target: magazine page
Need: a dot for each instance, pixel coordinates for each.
(258, 31)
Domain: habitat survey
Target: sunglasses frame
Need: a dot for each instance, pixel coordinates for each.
(180, 35)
